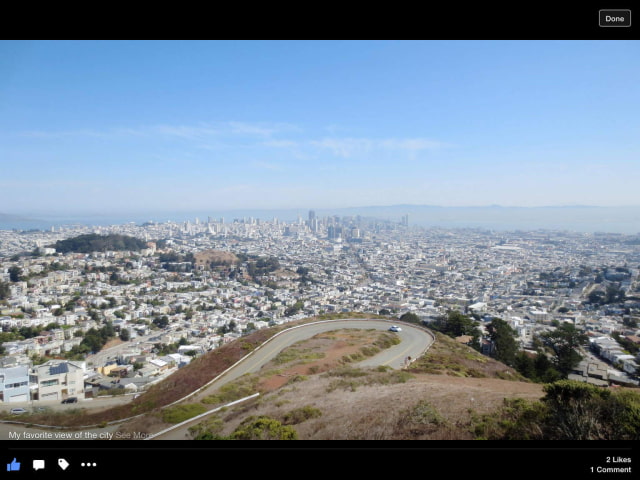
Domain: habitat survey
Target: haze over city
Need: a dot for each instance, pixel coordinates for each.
(113, 127)
(319, 240)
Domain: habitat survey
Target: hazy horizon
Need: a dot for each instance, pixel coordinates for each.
(625, 220)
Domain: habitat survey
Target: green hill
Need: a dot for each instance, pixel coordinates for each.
(93, 242)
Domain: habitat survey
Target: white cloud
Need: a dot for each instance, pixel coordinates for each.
(345, 147)
(62, 134)
(348, 147)
(186, 132)
(265, 166)
(280, 144)
(412, 144)
(263, 129)
(189, 132)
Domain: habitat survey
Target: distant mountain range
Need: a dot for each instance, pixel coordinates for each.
(4, 217)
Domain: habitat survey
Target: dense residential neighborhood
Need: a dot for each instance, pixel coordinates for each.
(81, 324)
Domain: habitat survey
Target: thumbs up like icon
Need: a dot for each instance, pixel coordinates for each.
(13, 466)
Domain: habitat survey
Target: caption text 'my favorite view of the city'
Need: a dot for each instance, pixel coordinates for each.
(243, 240)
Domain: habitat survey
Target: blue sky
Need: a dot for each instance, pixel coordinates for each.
(118, 126)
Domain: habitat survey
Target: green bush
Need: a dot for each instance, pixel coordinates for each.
(263, 428)
(423, 414)
(207, 429)
(180, 413)
(347, 371)
(570, 410)
(243, 387)
(300, 415)
(297, 378)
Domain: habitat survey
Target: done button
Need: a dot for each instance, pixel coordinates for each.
(615, 18)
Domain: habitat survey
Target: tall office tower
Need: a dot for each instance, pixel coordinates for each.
(405, 220)
(313, 221)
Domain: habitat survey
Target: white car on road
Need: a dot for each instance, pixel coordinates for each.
(395, 328)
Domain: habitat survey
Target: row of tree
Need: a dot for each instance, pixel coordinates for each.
(557, 351)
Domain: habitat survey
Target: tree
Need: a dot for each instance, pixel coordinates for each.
(504, 341)
(107, 331)
(523, 363)
(545, 370)
(564, 342)
(409, 318)
(125, 336)
(538, 368)
(161, 322)
(455, 324)
(92, 341)
(596, 297)
(614, 294)
(4, 291)
(15, 274)
(295, 308)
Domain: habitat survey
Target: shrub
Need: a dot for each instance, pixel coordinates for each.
(263, 428)
(180, 413)
(300, 415)
(297, 378)
(423, 413)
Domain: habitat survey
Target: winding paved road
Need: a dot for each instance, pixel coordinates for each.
(414, 342)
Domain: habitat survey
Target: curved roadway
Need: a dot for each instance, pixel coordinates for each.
(414, 342)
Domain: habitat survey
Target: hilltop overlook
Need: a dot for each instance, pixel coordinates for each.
(315, 390)
(320, 378)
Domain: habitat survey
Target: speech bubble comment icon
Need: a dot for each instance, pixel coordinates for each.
(38, 465)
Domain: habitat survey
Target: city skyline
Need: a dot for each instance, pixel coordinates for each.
(135, 126)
